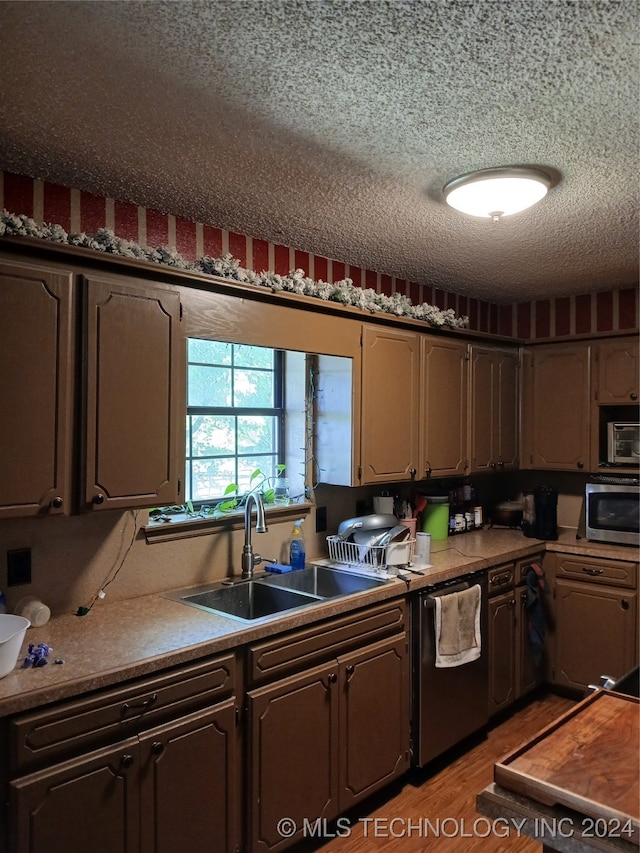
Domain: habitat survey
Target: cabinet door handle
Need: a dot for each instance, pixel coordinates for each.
(624, 604)
(350, 669)
(333, 677)
(592, 572)
(413, 473)
(97, 499)
(56, 503)
(427, 472)
(126, 761)
(581, 465)
(157, 747)
(500, 464)
(139, 706)
(633, 395)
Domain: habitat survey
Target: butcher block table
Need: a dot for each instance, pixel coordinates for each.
(575, 786)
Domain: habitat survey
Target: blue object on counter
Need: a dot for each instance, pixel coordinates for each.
(278, 568)
(297, 550)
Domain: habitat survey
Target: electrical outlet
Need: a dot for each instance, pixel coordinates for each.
(19, 567)
(321, 519)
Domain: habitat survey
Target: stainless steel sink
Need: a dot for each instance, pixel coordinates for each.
(270, 595)
(325, 582)
(248, 600)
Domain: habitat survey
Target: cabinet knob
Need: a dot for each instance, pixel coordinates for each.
(413, 473)
(350, 669)
(492, 465)
(500, 464)
(581, 465)
(624, 604)
(98, 499)
(427, 471)
(126, 761)
(56, 503)
(157, 747)
(633, 395)
(333, 677)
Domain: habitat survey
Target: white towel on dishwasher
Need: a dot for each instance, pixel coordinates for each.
(457, 627)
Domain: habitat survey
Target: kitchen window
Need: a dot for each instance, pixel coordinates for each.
(235, 416)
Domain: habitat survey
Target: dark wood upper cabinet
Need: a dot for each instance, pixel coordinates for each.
(134, 362)
(36, 385)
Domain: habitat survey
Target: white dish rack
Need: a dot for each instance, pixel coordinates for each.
(375, 557)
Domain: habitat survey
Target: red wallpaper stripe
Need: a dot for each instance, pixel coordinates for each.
(386, 285)
(604, 312)
(543, 318)
(186, 238)
(126, 220)
(320, 268)
(523, 320)
(57, 205)
(238, 247)
(355, 274)
(281, 254)
(157, 229)
(302, 261)
(371, 279)
(583, 314)
(212, 241)
(339, 271)
(627, 308)
(93, 213)
(260, 255)
(18, 194)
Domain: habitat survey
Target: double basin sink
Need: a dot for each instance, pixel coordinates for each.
(270, 595)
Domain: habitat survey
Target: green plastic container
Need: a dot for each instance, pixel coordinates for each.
(435, 518)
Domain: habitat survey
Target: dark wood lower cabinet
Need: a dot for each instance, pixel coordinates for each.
(324, 740)
(170, 789)
(502, 651)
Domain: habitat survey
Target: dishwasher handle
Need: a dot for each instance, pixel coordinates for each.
(429, 597)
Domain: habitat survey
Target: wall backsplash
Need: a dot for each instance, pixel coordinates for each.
(75, 210)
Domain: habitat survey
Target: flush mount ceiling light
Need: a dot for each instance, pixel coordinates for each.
(494, 193)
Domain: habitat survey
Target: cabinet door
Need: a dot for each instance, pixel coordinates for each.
(135, 387)
(596, 633)
(617, 372)
(90, 803)
(36, 383)
(556, 407)
(502, 649)
(482, 410)
(188, 783)
(508, 402)
(293, 749)
(374, 719)
(443, 410)
(389, 443)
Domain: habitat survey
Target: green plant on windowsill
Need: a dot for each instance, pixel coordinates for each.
(228, 504)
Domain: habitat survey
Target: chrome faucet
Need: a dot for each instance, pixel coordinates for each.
(249, 559)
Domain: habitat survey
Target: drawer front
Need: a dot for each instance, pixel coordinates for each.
(307, 647)
(595, 570)
(67, 728)
(501, 578)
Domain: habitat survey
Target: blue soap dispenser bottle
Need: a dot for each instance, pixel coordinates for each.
(297, 550)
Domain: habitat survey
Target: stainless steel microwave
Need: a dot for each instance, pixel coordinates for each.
(623, 443)
(612, 513)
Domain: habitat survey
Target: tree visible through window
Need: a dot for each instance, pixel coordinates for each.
(235, 416)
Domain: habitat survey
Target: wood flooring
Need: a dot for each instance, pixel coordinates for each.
(433, 809)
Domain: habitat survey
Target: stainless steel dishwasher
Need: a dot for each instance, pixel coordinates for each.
(451, 703)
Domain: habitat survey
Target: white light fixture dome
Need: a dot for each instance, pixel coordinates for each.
(494, 193)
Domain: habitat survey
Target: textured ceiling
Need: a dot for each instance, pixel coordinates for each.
(332, 127)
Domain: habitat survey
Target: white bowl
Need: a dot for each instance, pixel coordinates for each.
(12, 631)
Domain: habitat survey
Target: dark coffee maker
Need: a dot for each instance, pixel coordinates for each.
(545, 525)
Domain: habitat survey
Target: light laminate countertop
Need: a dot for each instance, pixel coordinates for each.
(124, 640)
